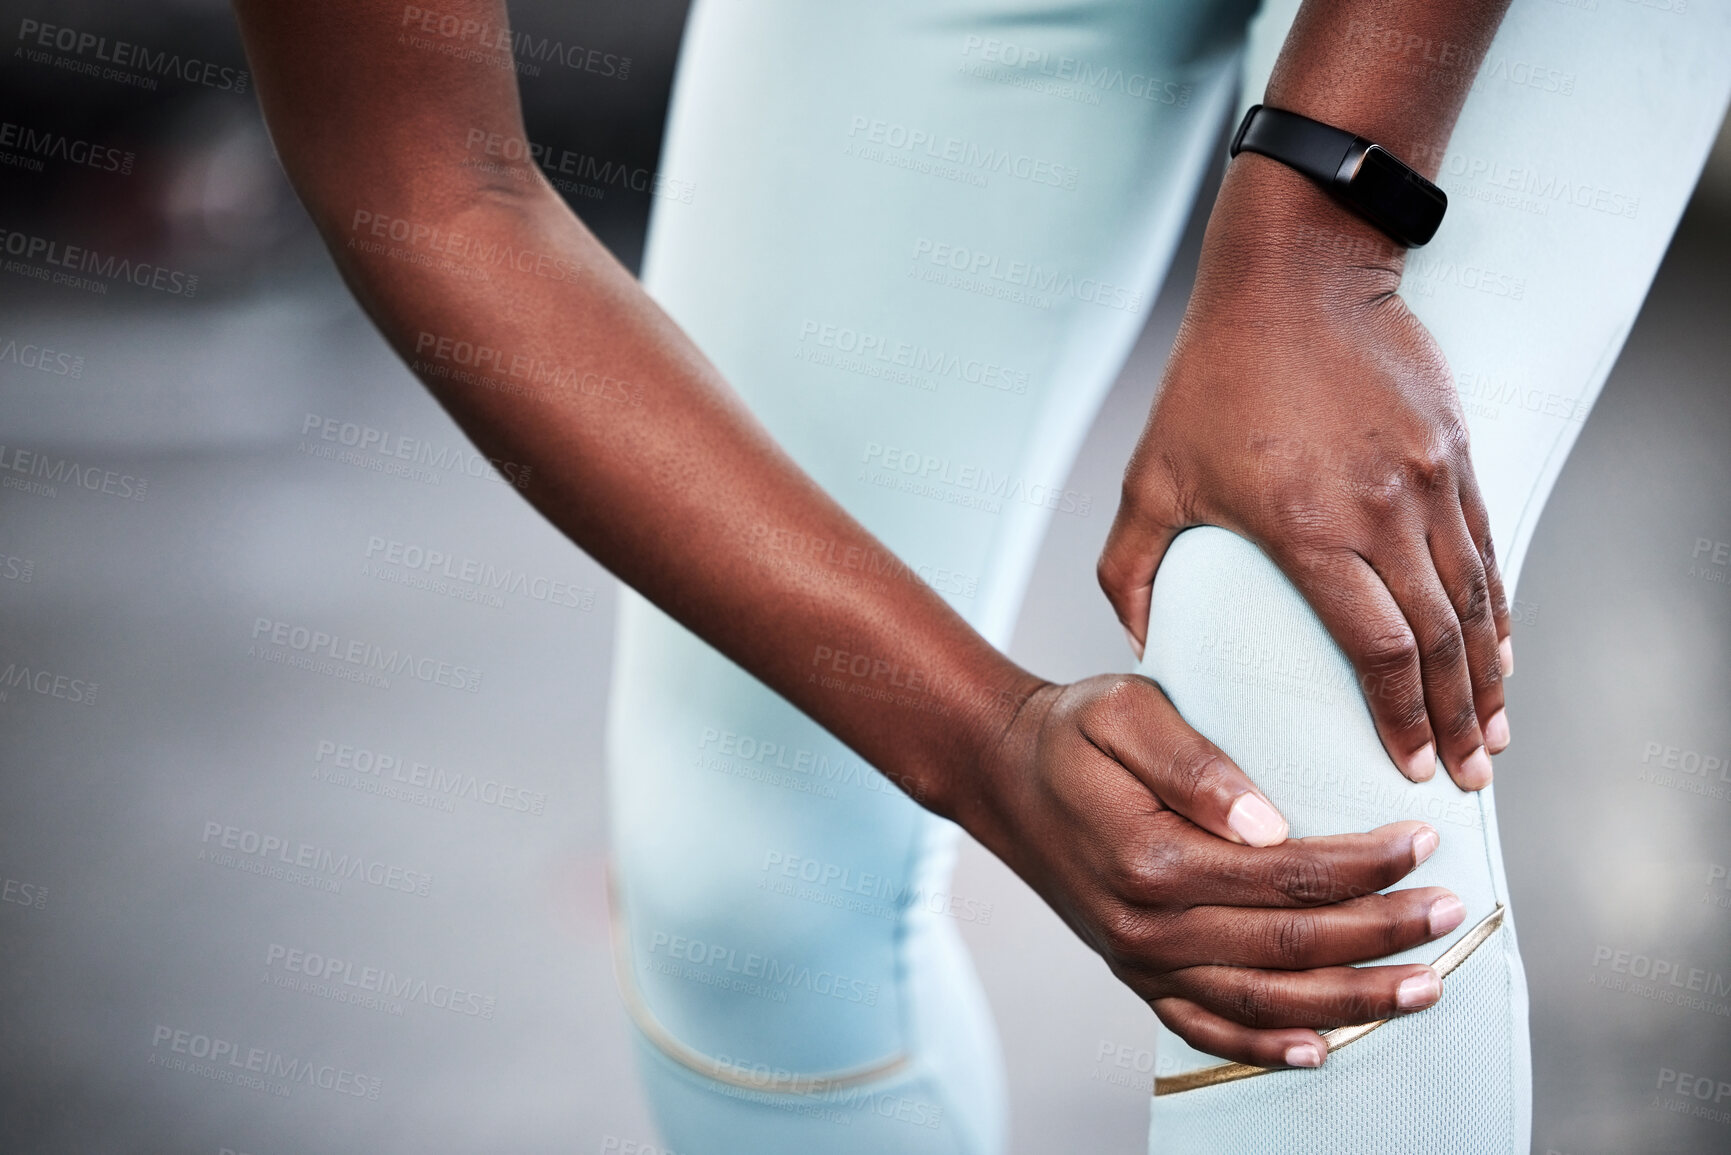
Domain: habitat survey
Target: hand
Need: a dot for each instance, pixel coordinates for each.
(1163, 857)
(1306, 409)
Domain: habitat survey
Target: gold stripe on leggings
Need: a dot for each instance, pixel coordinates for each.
(1451, 958)
(750, 1079)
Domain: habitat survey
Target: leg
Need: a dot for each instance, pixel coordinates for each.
(1568, 170)
(921, 252)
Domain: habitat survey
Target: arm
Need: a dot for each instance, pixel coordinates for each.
(1307, 409)
(1139, 833)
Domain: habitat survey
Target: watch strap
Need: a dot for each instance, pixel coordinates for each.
(1367, 178)
(1313, 148)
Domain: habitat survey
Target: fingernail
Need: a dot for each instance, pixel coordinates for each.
(1135, 646)
(1418, 991)
(1255, 821)
(1421, 767)
(1506, 651)
(1476, 770)
(1446, 913)
(1304, 1055)
(1497, 732)
(1424, 843)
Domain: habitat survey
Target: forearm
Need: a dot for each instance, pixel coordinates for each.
(550, 355)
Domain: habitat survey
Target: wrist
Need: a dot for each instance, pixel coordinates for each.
(1285, 241)
(982, 797)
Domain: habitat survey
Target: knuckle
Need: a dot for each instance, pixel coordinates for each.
(1297, 511)
(1196, 766)
(1151, 881)
(1488, 555)
(1140, 881)
(1306, 879)
(1394, 924)
(1109, 571)
(1127, 937)
(1291, 939)
(1251, 998)
(1389, 651)
(1462, 722)
(1443, 648)
(1473, 600)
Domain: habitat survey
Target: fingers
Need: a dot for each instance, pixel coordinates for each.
(1314, 999)
(1141, 530)
(1214, 1035)
(1479, 526)
(1138, 728)
(1443, 668)
(1461, 569)
(1193, 868)
(1371, 927)
(1356, 606)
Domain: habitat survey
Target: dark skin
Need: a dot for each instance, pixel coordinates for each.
(1305, 407)
(1148, 841)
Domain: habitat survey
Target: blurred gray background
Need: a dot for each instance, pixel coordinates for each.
(122, 916)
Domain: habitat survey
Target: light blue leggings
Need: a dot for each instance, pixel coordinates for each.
(922, 238)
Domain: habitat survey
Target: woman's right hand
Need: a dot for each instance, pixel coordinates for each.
(1163, 856)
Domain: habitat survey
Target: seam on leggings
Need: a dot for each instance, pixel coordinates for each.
(771, 1081)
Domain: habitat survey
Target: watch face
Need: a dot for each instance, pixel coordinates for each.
(1396, 197)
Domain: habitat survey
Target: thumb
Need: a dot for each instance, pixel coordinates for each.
(1143, 732)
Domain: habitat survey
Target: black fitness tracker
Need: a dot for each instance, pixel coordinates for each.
(1365, 177)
